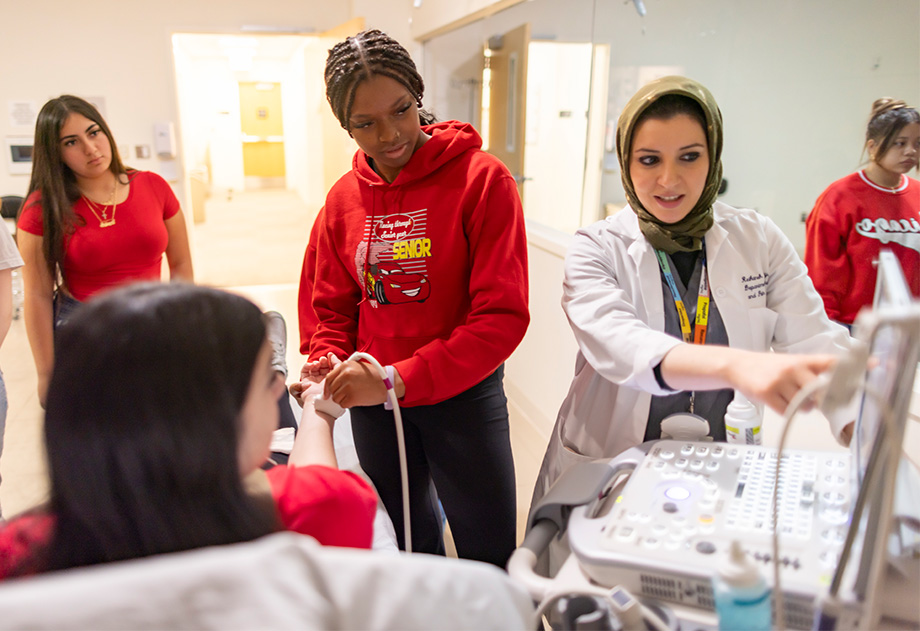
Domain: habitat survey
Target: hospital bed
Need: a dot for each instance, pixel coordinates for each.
(283, 581)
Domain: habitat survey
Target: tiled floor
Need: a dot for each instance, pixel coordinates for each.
(252, 244)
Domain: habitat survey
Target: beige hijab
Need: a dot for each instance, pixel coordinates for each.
(686, 235)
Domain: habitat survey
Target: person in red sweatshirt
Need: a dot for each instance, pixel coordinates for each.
(876, 207)
(419, 258)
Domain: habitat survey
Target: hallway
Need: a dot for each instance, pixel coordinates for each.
(252, 238)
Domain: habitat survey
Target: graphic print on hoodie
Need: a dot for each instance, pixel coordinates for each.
(393, 258)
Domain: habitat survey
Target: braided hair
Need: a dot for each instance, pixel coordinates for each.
(369, 53)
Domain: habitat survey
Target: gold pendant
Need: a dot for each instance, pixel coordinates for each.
(107, 223)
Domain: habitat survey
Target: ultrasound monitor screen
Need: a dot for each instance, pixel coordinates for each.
(892, 364)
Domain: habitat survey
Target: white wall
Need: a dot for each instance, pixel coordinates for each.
(436, 16)
(537, 375)
(209, 101)
(122, 52)
(393, 17)
(795, 80)
(302, 102)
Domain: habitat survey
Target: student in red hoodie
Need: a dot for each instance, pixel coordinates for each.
(419, 258)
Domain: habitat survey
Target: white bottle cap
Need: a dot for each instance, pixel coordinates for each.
(739, 570)
(741, 408)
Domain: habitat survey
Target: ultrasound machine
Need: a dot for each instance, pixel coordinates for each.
(648, 528)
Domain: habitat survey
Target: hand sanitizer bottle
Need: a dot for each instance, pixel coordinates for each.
(743, 421)
(741, 594)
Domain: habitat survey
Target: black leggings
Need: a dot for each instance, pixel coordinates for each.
(458, 450)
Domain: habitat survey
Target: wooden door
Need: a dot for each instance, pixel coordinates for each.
(506, 58)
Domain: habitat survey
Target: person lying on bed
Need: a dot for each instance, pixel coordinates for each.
(161, 401)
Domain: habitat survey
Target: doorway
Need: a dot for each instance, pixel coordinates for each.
(538, 118)
(259, 147)
(262, 126)
(558, 93)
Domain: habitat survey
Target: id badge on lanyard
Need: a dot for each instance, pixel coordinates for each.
(694, 335)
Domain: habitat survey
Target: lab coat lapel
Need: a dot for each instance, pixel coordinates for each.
(647, 278)
(722, 262)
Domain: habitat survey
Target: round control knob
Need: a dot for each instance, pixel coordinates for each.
(705, 547)
(676, 493)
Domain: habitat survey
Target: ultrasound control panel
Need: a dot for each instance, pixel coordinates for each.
(673, 522)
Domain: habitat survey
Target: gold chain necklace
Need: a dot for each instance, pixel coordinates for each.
(100, 210)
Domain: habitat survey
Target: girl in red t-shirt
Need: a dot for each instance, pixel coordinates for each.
(88, 223)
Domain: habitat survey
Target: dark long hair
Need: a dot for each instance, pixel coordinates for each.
(370, 53)
(54, 179)
(142, 425)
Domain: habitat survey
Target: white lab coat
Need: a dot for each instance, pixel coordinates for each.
(614, 302)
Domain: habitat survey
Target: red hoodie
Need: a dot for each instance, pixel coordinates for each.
(442, 296)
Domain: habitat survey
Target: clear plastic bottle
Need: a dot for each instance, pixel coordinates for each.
(743, 421)
(741, 594)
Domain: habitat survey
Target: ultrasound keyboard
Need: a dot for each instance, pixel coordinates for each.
(675, 518)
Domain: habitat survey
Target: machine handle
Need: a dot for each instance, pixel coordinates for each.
(523, 561)
(582, 484)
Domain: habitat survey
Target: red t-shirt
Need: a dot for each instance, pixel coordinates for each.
(97, 258)
(334, 507)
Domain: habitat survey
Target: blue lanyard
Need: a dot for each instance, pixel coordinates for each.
(698, 334)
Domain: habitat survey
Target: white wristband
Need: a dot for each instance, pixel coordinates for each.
(392, 384)
(327, 406)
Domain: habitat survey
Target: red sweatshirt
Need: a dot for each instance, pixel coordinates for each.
(851, 221)
(427, 274)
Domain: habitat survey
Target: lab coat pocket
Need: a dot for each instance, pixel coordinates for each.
(569, 456)
(558, 458)
(763, 325)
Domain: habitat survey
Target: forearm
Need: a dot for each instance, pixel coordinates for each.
(694, 367)
(38, 309)
(314, 444)
(182, 271)
(767, 377)
(178, 252)
(38, 314)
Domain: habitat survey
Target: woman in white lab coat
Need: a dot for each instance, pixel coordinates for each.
(628, 277)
